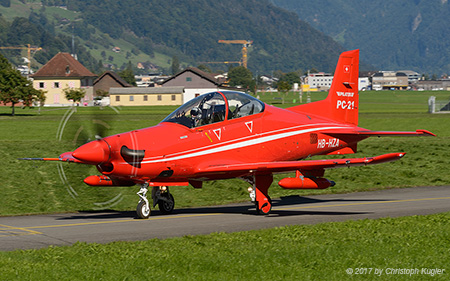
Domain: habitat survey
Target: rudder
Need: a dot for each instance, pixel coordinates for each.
(343, 95)
(342, 101)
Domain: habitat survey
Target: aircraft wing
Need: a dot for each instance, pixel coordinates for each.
(304, 165)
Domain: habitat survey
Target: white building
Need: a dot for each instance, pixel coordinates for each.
(363, 83)
(413, 76)
(319, 81)
(322, 81)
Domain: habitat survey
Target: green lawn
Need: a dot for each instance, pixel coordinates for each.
(40, 187)
(373, 248)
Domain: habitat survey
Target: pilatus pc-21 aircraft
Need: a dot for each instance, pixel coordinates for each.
(226, 134)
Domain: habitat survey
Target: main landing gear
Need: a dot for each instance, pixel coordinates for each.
(160, 196)
(259, 193)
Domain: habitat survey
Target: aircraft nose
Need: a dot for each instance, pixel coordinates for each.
(94, 152)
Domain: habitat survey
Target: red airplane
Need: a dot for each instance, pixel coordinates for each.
(227, 134)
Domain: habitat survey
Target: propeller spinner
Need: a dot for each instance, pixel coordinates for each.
(94, 152)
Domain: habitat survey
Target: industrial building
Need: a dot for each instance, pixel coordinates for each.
(388, 80)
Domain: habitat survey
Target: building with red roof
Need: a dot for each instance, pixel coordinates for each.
(61, 72)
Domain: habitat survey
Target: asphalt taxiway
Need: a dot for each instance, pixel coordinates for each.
(38, 231)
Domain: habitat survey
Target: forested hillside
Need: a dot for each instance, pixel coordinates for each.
(392, 35)
(23, 31)
(189, 30)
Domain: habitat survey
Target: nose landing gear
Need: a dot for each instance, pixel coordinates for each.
(143, 208)
(161, 197)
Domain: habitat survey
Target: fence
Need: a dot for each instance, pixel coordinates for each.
(435, 106)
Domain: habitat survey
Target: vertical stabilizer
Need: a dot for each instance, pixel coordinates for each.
(342, 102)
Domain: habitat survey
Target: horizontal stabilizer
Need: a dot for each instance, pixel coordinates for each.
(364, 133)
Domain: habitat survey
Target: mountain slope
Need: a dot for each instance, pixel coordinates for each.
(281, 40)
(153, 31)
(392, 35)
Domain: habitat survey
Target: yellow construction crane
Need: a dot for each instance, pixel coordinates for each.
(29, 49)
(244, 43)
(225, 62)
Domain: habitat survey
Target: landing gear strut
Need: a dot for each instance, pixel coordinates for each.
(164, 199)
(143, 208)
(161, 197)
(259, 193)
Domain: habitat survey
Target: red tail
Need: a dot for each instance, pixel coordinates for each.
(342, 101)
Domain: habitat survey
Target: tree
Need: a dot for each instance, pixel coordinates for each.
(14, 88)
(128, 75)
(204, 68)
(291, 78)
(99, 95)
(175, 65)
(74, 94)
(5, 3)
(40, 97)
(312, 70)
(434, 77)
(241, 76)
(283, 87)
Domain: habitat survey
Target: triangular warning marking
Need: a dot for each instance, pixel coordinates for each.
(249, 126)
(218, 133)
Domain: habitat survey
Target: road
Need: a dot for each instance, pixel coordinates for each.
(32, 232)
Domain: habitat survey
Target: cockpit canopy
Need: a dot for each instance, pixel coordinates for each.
(215, 107)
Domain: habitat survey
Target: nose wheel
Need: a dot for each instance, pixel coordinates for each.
(143, 210)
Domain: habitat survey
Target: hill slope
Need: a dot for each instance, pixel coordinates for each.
(190, 30)
(392, 35)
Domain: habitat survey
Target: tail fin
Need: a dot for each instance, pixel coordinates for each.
(342, 102)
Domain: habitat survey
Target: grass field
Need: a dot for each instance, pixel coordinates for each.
(38, 187)
(372, 248)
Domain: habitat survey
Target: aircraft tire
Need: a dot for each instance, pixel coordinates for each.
(142, 211)
(166, 207)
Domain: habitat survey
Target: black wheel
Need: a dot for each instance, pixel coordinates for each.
(143, 212)
(166, 206)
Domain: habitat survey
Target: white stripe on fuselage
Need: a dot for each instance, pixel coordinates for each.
(239, 140)
(226, 147)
